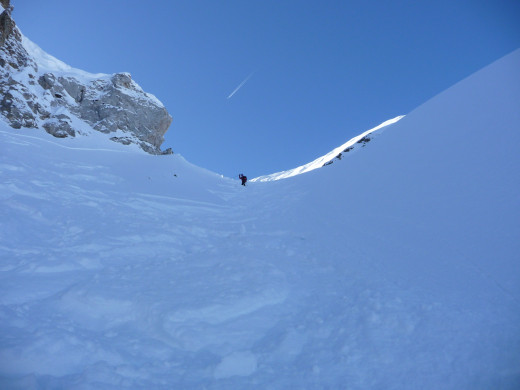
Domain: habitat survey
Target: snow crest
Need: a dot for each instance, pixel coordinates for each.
(328, 159)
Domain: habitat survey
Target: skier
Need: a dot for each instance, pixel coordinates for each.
(243, 178)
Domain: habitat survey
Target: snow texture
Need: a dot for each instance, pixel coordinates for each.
(396, 268)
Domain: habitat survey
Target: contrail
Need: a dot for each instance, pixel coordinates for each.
(241, 84)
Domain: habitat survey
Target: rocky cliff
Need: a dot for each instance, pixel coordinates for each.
(39, 91)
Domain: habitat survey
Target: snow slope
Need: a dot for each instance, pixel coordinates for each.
(396, 268)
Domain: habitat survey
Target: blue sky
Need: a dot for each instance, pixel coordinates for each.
(318, 72)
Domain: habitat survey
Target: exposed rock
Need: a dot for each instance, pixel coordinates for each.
(6, 26)
(40, 96)
(12, 52)
(5, 4)
(47, 81)
(365, 140)
(122, 140)
(59, 127)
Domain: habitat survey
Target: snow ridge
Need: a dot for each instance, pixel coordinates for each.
(327, 159)
(48, 63)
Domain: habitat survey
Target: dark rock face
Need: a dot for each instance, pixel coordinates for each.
(6, 26)
(18, 104)
(64, 100)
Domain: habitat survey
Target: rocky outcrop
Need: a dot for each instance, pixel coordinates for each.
(6, 23)
(39, 91)
(18, 104)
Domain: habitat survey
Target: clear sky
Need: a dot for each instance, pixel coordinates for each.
(312, 74)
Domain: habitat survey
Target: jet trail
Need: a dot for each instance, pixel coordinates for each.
(241, 84)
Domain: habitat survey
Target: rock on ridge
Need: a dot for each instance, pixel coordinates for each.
(39, 91)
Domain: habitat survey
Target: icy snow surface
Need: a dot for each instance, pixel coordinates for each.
(397, 268)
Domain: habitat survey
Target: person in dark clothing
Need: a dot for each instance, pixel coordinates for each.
(243, 178)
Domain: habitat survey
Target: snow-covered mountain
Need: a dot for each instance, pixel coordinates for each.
(395, 268)
(40, 91)
(336, 154)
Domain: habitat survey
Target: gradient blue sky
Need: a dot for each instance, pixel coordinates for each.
(322, 71)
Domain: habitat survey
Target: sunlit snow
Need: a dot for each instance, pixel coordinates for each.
(323, 160)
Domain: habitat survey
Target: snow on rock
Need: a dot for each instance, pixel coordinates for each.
(40, 91)
(394, 269)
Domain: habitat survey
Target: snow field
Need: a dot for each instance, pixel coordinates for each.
(394, 268)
